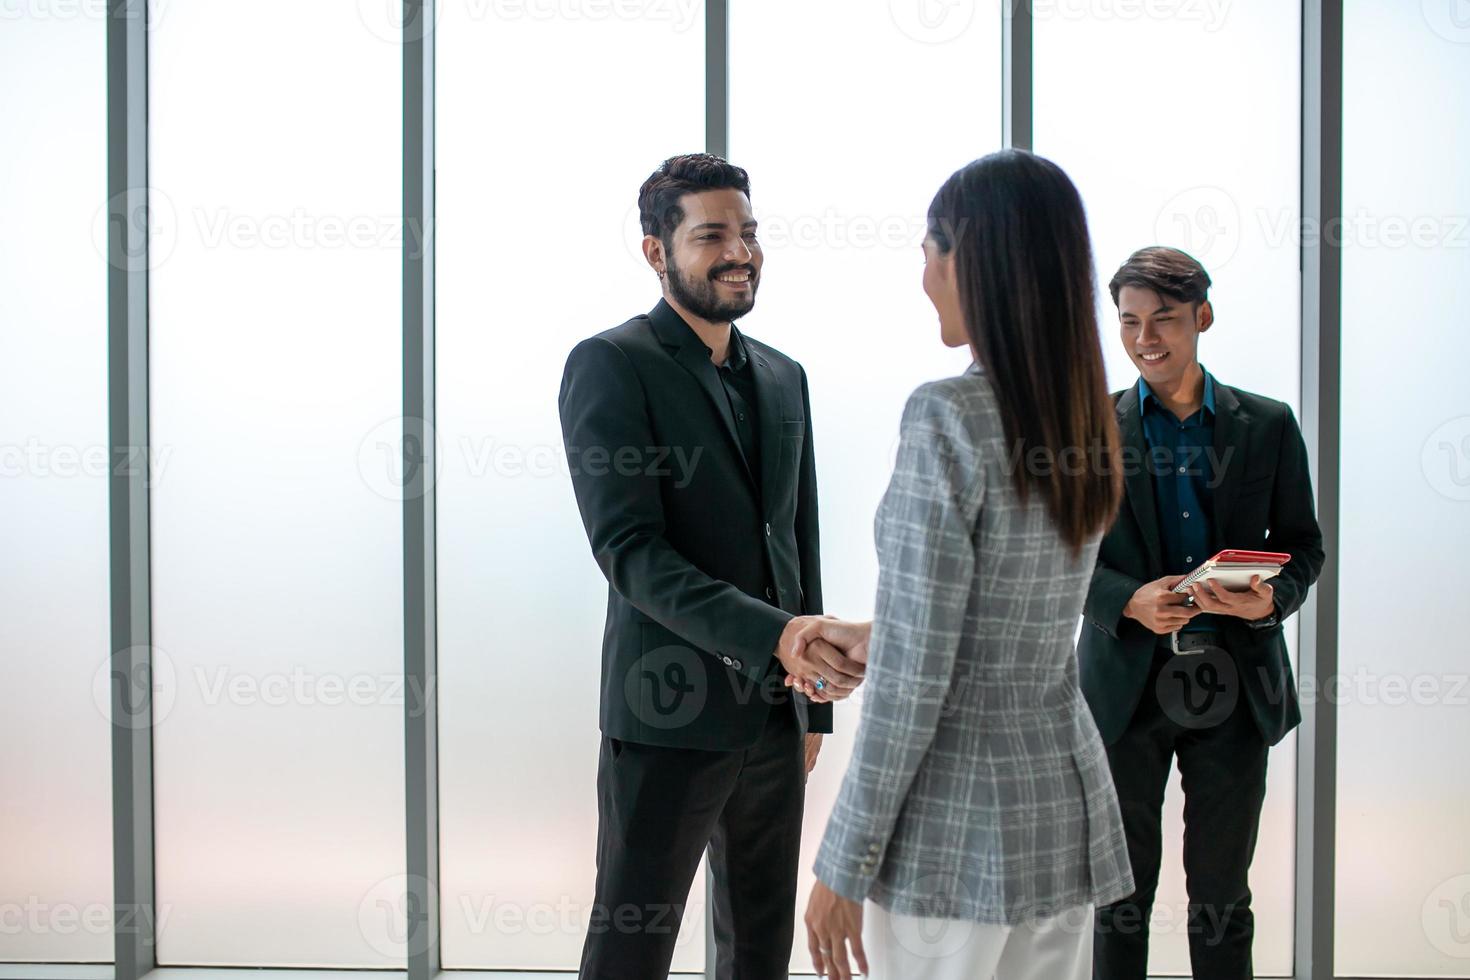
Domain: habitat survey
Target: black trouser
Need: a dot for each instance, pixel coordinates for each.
(1222, 765)
(657, 810)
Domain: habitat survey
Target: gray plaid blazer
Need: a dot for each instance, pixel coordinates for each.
(978, 788)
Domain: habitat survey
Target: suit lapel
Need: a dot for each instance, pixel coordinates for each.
(693, 356)
(1231, 429)
(768, 408)
(1139, 479)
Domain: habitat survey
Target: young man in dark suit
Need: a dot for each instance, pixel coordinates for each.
(1202, 676)
(691, 454)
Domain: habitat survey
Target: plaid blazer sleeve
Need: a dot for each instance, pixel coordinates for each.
(926, 563)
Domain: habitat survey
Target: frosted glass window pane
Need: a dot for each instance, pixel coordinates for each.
(849, 117)
(1403, 851)
(1183, 129)
(548, 123)
(275, 354)
(55, 755)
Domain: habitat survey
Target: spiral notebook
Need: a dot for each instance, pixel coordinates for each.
(1233, 569)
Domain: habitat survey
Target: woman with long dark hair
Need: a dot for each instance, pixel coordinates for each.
(977, 818)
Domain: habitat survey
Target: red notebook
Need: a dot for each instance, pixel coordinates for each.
(1234, 569)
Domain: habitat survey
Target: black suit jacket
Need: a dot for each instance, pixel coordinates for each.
(1262, 502)
(706, 562)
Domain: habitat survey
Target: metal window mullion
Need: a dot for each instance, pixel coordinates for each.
(716, 141)
(1321, 343)
(134, 938)
(717, 77)
(1016, 74)
(420, 651)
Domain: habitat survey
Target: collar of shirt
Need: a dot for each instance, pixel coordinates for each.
(1147, 399)
(735, 357)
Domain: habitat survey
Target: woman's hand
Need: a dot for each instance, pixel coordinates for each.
(832, 923)
(848, 637)
(809, 659)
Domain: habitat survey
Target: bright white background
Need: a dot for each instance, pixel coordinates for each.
(55, 755)
(275, 357)
(1403, 819)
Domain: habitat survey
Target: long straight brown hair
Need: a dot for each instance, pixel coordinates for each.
(1016, 226)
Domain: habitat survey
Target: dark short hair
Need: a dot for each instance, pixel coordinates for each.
(658, 199)
(1166, 271)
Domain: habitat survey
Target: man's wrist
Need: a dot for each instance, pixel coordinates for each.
(1267, 621)
(782, 642)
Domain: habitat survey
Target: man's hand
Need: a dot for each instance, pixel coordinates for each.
(809, 659)
(1159, 608)
(1256, 602)
(813, 746)
(851, 638)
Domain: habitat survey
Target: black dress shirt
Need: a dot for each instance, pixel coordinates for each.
(739, 385)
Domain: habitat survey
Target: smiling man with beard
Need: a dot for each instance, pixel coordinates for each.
(711, 576)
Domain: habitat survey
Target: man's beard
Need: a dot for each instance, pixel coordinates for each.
(699, 297)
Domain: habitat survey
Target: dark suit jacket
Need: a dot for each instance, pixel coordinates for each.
(1262, 502)
(706, 562)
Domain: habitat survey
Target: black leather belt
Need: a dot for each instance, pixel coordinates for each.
(1192, 641)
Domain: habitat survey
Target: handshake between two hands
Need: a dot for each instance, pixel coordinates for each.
(825, 657)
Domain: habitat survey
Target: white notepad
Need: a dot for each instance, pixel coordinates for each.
(1234, 569)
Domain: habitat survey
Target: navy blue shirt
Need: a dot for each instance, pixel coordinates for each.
(1179, 459)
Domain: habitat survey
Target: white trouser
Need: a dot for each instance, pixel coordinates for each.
(905, 947)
